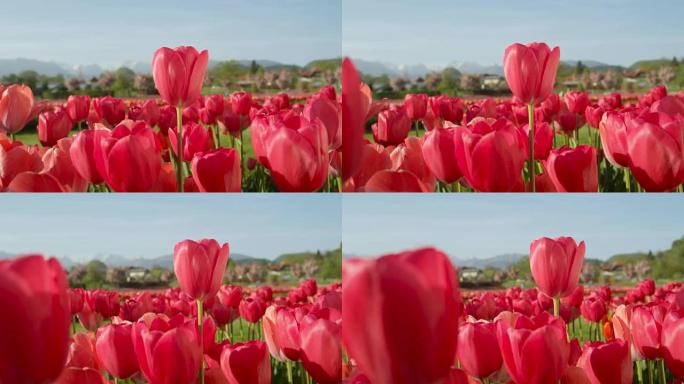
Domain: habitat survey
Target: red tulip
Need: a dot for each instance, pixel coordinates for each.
(655, 143)
(251, 310)
(322, 351)
(246, 363)
(573, 169)
(241, 103)
(166, 354)
(196, 139)
(147, 111)
(53, 126)
(16, 160)
(672, 341)
(478, 350)
(82, 153)
(199, 267)
(613, 133)
(114, 347)
(57, 163)
(415, 290)
(287, 336)
(279, 101)
(447, 108)
(16, 108)
(490, 156)
(570, 122)
(110, 110)
(408, 156)
(646, 326)
(415, 105)
(217, 171)
(179, 74)
(392, 128)
(611, 102)
(35, 327)
(607, 362)
(543, 139)
(531, 71)
(78, 108)
(75, 300)
(594, 115)
(577, 101)
(213, 108)
(230, 295)
(82, 366)
(593, 310)
(527, 342)
(328, 112)
(297, 155)
(128, 158)
(269, 324)
(439, 153)
(355, 105)
(556, 264)
(310, 287)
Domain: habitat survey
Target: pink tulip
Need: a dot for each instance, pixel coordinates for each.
(114, 347)
(199, 267)
(531, 71)
(246, 363)
(573, 169)
(556, 265)
(478, 349)
(607, 363)
(179, 74)
(217, 171)
(439, 153)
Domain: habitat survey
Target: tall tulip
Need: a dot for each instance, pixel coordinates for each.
(416, 290)
(178, 75)
(647, 325)
(573, 169)
(530, 71)
(246, 363)
(196, 139)
(556, 265)
(16, 108)
(114, 347)
(199, 268)
(607, 363)
(355, 107)
(34, 328)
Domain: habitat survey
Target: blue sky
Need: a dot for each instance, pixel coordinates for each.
(82, 226)
(486, 225)
(436, 32)
(111, 32)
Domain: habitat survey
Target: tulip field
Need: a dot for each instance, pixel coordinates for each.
(412, 324)
(228, 143)
(581, 142)
(201, 332)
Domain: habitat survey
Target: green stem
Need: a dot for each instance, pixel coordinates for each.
(179, 149)
(73, 325)
(242, 155)
(662, 371)
(650, 371)
(556, 306)
(640, 374)
(289, 371)
(530, 162)
(628, 181)
(415, 128)
(200, 324)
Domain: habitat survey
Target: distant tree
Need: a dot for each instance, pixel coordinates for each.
(30, 78)
(580, 68)
(95, 274)
(253, 67)
(450, 79)
(675, 62)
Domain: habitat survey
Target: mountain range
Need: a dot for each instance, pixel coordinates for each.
(52, 68)
(378, 68)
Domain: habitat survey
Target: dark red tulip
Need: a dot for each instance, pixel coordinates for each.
(310, 287)
(593, 115)
(593, 310)
(607, 362)
(213, 108)
(531, 71)
(611, 102)
(439, 153)
(392, 128)
(420, 285)
(167, 354)
(110, 110)
(241, 102)
(569, 122)
(322, 351)
(35, 332)
(655, 144)
(527, 342)
(114, 347)
(16, 108)
(78, 108)
(76, 300)
(217, 170)
(128, 158)
(573, 169)
(179, 74)
(478, 350)
(543, 139)
(196, 139)
(415, 105)
(490, 156)
(556, 264)
(279, 101)
(246, 363)
(106, 303)
(148, 111)
(199, 267)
